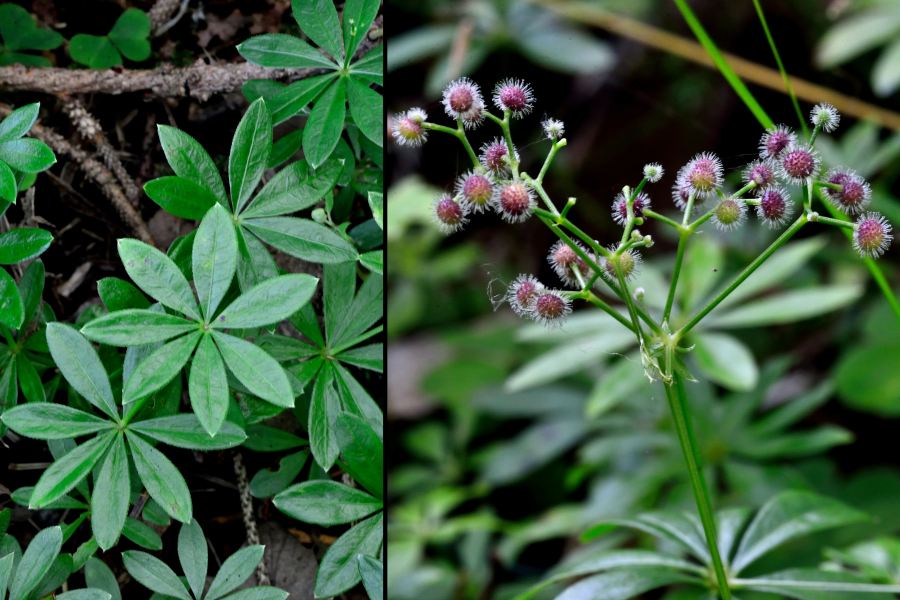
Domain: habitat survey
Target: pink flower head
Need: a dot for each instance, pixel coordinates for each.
(407, 128)
(620, 209)
(476, 191)
(514, 201)
(872, 235)
(562, 258)
(703, 174)
(729, 214)
(494, 156)
(627, 262)
(449, 214)
(551, 308)
(680, 191)
(760, 172)
(856, 192)
(799, 163)
(522, 294)
(775, 141)
(515, 96)
(462, 100)
(774, 207)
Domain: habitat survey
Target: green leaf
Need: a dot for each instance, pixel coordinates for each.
(338, 571)
(324, 126)
(294, 188)
(367, 110)
(142, 534)
(262, 438)
(154, 574)
(886, 73)
(371, 570)
(326, 503)
(158, 369)
(78, 362)
(787, 516)
(255, 264)
(98, 575)
(29, 380)
(284, 147)
(867, 379)
(624, 584)
(566, 49)
(813, 584)
(158, 276)
(318, 19)
(324, 408)
(346, 320)
(726, 360)
(193, 556)
(267, 482)
(118, 294)
(136, 327)
(20, 32)
(283, 51)
(295, 97)
(376, 204)
(362, 451)
(18, 122)
(6, 564)
(214, 259)
(857, 34)
(8, 187)
(181, 196)
(162, 479)
(21, 244)
(788, 307)
(259, 593)
(357, 400)
(236, 569)
(208, 386)
(371, 66)
(303, 239)
(185, 431)
(109, 502)
(357, 18)
(85, 594)
(250, 150)
(131, 33)
(35, 562)
(374, 261)
(12, 314)
(189, 160)
(68, 471)
(255, 369)
(94, 51)
(269, 302)
(45, 421)
(417, 44)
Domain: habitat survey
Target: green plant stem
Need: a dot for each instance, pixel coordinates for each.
(652, 214)
(835, 222)
(542, 194)
(629, 302)
(743, 275)
(594, 299)
(679, 259)
(678, 404)
(549, 160)
(460, 134)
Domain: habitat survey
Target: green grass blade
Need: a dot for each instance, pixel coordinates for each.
(723, 66)
(784, 75)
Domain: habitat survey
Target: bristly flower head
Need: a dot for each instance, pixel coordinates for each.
(515, 96)
(407, 127)
(462, 100)
(620, 208)
(826, 116)
(703, 174)
(562, 258)
(522, 294)
(774, 207)
(680, 191)
(856, 192)
(628, 262)
(760, 172)
(872, 235)
(494, 156)
(476, 191)
(729, 214)
(449, 214)
(514, 201)
(551, 308)
(653, 172)
(775, 141)
(799, 163)
(553, 129)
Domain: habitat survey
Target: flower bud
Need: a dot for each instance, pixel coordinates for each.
(475, 190)
(553, 129)
(760, 172)
(855, 194)
(319, 215)
(562, 258)
(514, 201)
(551, 308)
(729, 214)
(872, 235)
(799, 163)
(826, 116)
(462, 100)
(494, 156)
(703, 174)
(627, 262)
(449, 214)
(515, 96)
(681, 193)
(775, 141)
(522, 294)
(653, 172)
(620, 208)
(407, 128)
(774, 207)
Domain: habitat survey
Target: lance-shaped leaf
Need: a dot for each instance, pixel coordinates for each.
(325, 124)
(27, 155)
(371, 570)
(338, 571)
(78, 361)
(109, 502)
(35, 562)
(302, 238)
(208, 386)
(250, 150)
(8, 185)
(21, 244)
(268, 302)
(357, 18)
(12, 313)
(324, 408)
(154, 574)
(181, 196)
(256, 370)
(236, 569)
(362, 450)
(294, 188)
(18, 122)
(68, 471)
(162, 479)
(319, 21)
(214, 258)
(46, 421)
(118, 294)
(259, 593)
(158, 276)
(283, 51)
(189, 160)
(193, 556)
(185, 431)
(158, 369)
(136, 327)
(366, 108)
(326, 503)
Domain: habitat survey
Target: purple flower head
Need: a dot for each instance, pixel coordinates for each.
(462, 100)
(620, 209)
(774, 207)
(407, 128)
(775, 141)
(494, 156)
(703, 174)
(449, 214)
(760, 172)
(551, 308)
(514, 201)
(799, 163)
(515, 96)
(562, 258)
(856, 192)
(476, 191)
(522, 294)
(729, 214)
(872, 235)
